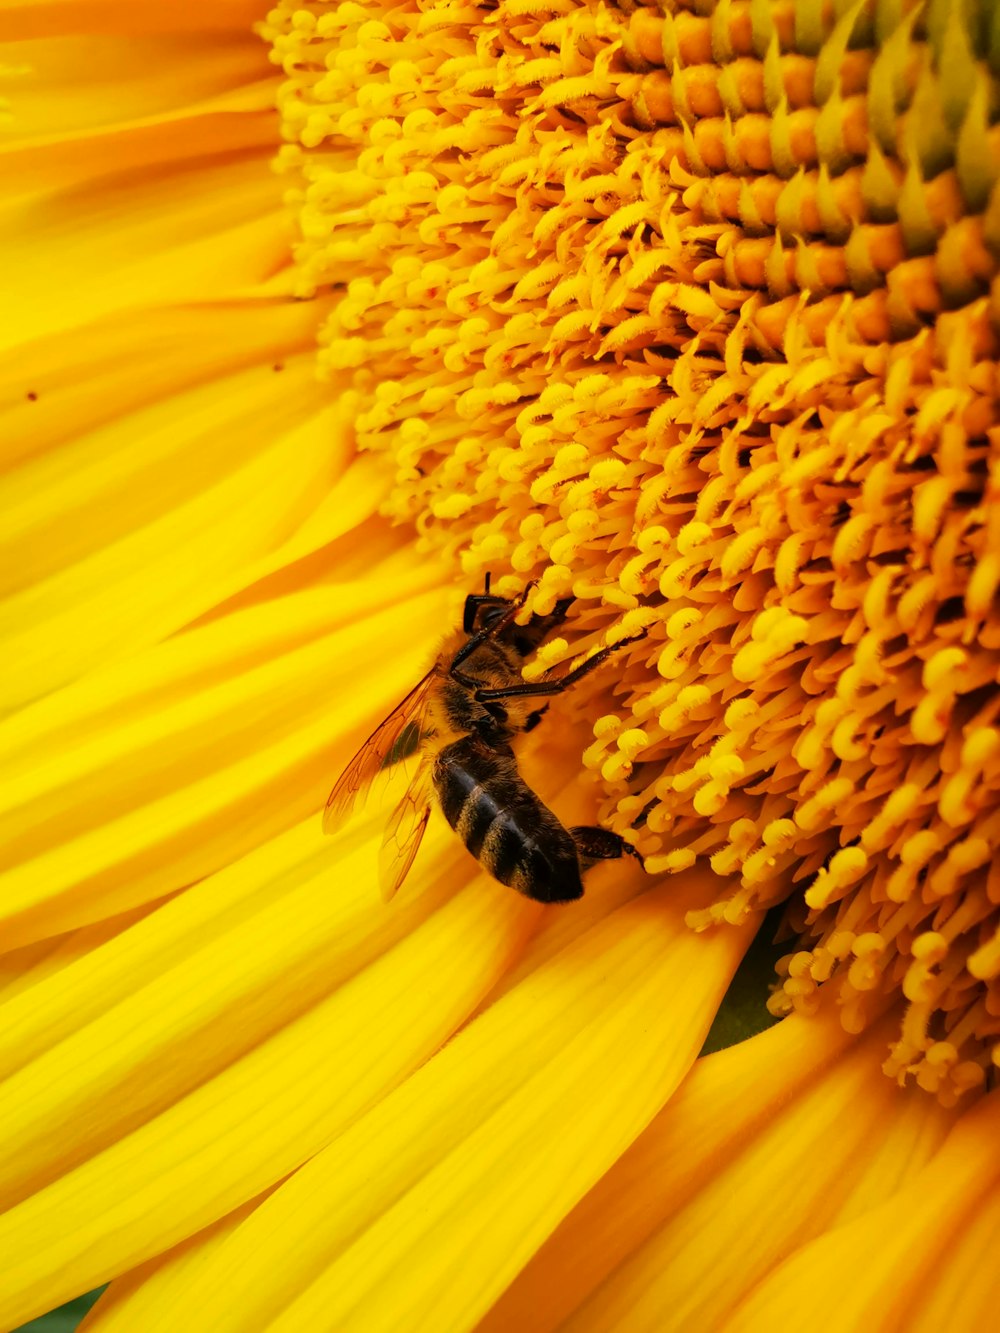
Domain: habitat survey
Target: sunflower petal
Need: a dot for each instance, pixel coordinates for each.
(134, 1300)
(885, 1264)
(848, 1138)
(420, 1214)
(94, 825)
(261, 1115)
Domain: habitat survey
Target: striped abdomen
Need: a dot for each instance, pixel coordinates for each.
(504, 824)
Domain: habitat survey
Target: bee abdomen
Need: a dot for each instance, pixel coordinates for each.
(481, 821)
(500, 842)
(504, 824)
(461, 800)
(505, 851)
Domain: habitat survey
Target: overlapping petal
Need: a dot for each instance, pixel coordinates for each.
(423, 1210)
(923, 1259)
(120, 126)
(144, 258)
(236, 1063)
(830, 1144)
(139, 779)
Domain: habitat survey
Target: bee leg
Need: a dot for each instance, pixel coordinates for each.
(495, 605)
(474, 603)
(490, 632)
(527, 638)
(476, 600)
(528, 689)
(594, 843)
(533, 719)
(555, 617)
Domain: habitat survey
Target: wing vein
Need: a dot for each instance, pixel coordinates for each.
(374, 755)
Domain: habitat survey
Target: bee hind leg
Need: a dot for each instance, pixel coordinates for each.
(594, 843)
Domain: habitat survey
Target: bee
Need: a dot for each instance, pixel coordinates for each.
(467, 710)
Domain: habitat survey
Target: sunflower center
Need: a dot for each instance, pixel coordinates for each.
(693, 316)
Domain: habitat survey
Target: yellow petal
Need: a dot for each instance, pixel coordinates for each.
(136, 172)
(726, 1098)
(260, 1116)
(128, 77)
(192, 442)
(133, 1301)
(420, 1214)
(33, 18)
(881, 1270)
(57, 390)
(233, 121)
(148, 584)
(848, 1139)
(138, 780)
(21, 969)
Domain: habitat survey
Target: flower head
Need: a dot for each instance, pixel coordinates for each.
(689, 316)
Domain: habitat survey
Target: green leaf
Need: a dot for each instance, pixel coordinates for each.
(63, 1320)
(743, 1012)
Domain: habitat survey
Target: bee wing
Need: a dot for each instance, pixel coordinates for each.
(374, 755)
(404, 832)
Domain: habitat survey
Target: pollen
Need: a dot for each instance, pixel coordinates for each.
(692, 317)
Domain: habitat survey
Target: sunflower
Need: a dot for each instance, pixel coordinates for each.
(686, 313)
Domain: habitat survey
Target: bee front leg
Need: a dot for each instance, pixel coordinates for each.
(536, 688)
(492, 631)
(476, 601)
(594, 843)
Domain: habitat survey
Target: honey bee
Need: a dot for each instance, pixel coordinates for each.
(467, 710)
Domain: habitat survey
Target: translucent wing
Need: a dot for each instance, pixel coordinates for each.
(374, 755)
(404, 832)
